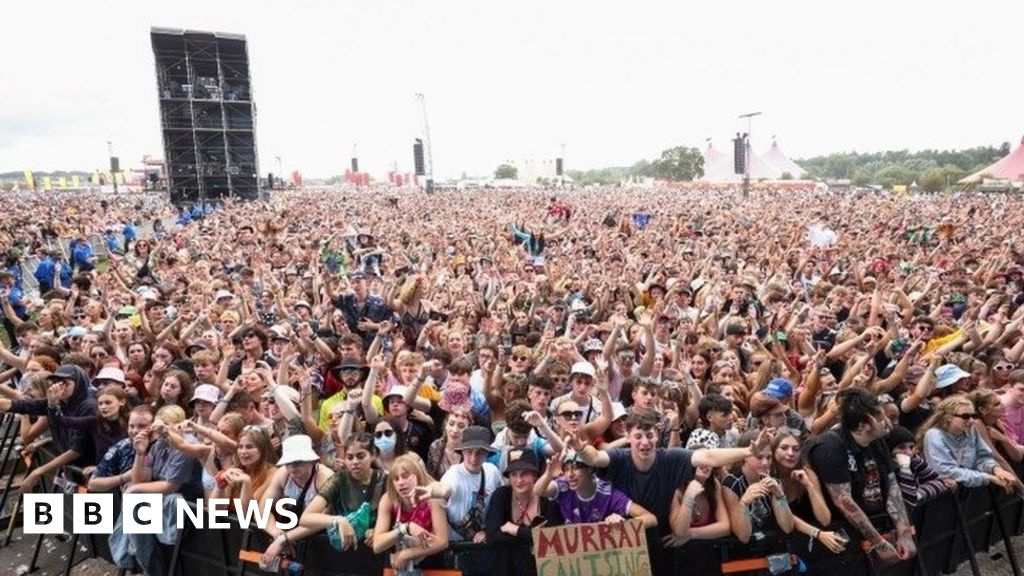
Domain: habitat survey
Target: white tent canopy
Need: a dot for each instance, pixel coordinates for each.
(718, 166)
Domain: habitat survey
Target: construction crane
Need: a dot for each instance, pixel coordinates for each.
(427, 155)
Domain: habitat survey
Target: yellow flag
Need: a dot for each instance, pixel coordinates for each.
(95, 177)
(119, 177)
(75, 182)
(29, 180)
(46, 183)
(63, 183)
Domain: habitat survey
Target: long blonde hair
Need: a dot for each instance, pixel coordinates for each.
(406, 463)
(941, 416)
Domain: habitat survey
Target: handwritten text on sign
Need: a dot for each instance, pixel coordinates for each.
(592, 550)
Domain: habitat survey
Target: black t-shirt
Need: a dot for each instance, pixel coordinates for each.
(418, 438)
(762, 516)
(837, 459)
(913, 419)
(824, 340)
(654, 488)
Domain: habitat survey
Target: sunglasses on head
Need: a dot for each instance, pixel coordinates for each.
(383, 433)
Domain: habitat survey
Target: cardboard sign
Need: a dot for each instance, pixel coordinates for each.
(592, 550)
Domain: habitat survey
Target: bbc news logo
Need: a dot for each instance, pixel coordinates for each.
(144, 513)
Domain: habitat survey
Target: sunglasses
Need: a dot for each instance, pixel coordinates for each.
(571, 414)
(1004, 367)
(966, 417)
(519, 358)
(383, 433)
(270, 400)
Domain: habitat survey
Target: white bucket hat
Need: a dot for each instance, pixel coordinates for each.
(298, 448)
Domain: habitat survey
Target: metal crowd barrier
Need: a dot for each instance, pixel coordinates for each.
(974, 518)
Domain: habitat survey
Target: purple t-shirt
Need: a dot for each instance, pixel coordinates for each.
(605, 502)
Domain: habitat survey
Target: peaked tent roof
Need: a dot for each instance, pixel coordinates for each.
(718, 166)
(778, 160)
(761, 169)
(1009, 168)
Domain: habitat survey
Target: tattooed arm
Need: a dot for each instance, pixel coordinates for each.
(905, 546)
(842, 497)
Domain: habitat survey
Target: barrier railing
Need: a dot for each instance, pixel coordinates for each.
(950, 530)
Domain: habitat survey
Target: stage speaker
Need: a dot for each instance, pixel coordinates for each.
(739, 150)
(417, 157)
(558, 167)
(355, 164)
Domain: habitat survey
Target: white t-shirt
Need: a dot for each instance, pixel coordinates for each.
(464, 488)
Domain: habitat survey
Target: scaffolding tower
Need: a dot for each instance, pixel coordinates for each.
(207, 115)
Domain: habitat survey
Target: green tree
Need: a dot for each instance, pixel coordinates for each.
(895, 174)
(786, 176)
(506, 171)
(641, 168)
(933, 180)
(679, 163)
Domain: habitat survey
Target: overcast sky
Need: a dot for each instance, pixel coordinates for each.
(612, 81)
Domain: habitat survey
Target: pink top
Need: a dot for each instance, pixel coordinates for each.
(1013, 419)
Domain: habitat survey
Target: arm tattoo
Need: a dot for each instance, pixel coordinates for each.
(894, 504)
(842, 497)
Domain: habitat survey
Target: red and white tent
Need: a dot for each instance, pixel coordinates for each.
(1009, 168)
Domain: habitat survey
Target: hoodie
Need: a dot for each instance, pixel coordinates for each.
(80, 404)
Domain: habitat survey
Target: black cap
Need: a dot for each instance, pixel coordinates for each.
(522, 460)
(898, 435)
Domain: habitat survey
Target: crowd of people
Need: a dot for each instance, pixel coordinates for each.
(419, 370)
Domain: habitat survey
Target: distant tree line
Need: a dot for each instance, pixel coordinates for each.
(930, 169)
(680, 163)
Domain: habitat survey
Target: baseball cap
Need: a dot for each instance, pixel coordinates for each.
(779, 388)
(585, 368)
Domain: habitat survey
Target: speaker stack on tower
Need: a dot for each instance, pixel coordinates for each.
(207, 115)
